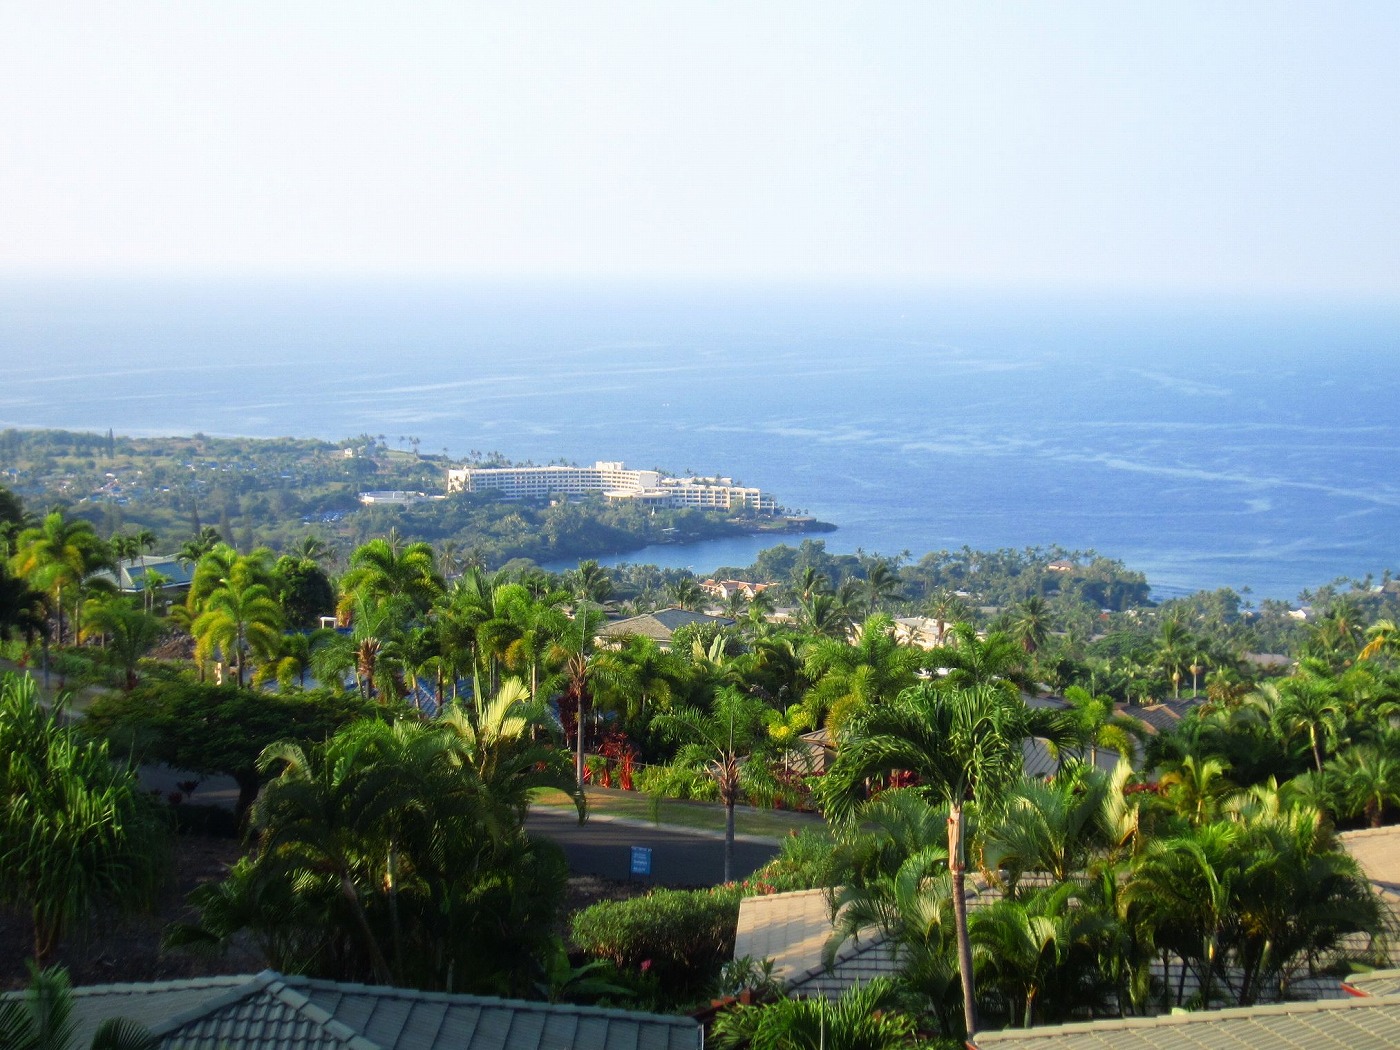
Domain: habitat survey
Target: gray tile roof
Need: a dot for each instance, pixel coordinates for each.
(1336, 1024)
(659, 625)
(272, 1012)
(1377, 982)
(792, 929)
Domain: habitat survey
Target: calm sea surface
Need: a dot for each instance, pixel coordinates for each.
(1204, 444)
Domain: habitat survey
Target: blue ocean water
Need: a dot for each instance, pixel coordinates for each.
(1206, 444)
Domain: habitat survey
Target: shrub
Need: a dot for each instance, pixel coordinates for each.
(681, 937)
(805, 863)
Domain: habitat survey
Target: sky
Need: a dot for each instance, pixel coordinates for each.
(1248, 148)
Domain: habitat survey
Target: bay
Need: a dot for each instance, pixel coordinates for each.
(1205, 443)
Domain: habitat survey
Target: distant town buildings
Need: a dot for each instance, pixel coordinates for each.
(614, 482)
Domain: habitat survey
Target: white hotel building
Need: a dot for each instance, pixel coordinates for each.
(615, 482)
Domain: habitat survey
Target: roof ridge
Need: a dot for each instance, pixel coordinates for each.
(303, 1005)
(153, 987)
(250, 987)
(388, 991)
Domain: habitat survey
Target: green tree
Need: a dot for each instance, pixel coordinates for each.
(57, 557)
(217, 729)
(239, 618)
(130, 632)
(380, 570)
(850, 677)
(1031, 622)
(731, 745)
(961, 744)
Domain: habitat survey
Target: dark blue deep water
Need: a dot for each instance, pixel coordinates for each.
(1206, 444)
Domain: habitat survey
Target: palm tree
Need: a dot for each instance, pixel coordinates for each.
(1052, 827)
(58, 556)
(881, 584)
(1383, 636)
(590, 582)
(821, 614)
(1368, 779)
(945, 608)
(381, 569)
(195, 548)
(500, 746)
(1042, 948)
(240, 618)
(685, 593)
(1175, 653)
(1030, 623)
(811, 582)
(961, 744)
(1197, 788)
(573, 653)
(848, 677)
(730, 743)
(131, 632)
(1309, 703)
(1099, 726)
(1181, 888)
(969, 661)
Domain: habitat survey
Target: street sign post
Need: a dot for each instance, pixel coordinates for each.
(641, 860)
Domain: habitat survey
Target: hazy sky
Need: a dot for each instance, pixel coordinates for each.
(1243, 147)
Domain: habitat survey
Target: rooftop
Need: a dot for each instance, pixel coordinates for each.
(1333, 1024)
(269, 1011)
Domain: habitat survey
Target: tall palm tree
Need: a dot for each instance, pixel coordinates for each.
(57, 557)
(573, 654)
(1174, 654)
(1031, 621)
(882, 584)
(822, 615)
(590, 582)
(1309, 704)
(961, 744)
(685, 593)
(730, 743)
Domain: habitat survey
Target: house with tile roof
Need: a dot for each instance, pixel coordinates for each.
(659, 626)
(269, 1011)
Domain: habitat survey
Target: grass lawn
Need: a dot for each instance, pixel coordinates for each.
(705, 816)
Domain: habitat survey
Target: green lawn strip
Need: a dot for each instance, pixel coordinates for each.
(704, 816)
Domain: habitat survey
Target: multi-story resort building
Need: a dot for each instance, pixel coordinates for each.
(614, 482)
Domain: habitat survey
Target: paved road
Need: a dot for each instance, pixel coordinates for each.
(603, 846)
(679, 857)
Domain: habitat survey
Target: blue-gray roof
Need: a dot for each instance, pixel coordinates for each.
(271, 1012)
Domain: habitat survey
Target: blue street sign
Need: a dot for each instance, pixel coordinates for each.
(641, 860)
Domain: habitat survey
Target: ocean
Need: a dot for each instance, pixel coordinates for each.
(1207, 444)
